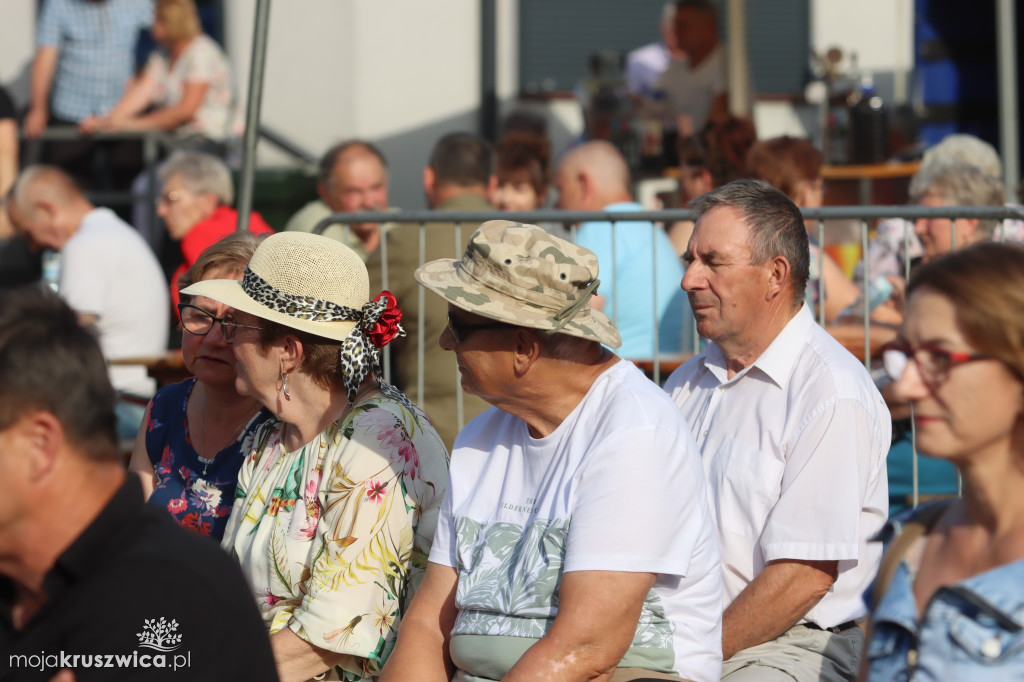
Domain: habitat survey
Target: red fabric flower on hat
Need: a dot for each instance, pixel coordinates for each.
(387, 326)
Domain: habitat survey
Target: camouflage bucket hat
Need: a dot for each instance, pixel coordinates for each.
(522, 275)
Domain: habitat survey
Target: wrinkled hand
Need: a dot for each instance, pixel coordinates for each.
(35, 122)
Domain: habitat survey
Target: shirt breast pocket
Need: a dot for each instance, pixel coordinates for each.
(746, 483)
(985, 640)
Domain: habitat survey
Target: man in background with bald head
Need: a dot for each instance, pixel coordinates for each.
(353, 177)
(640, 272)
(108, 275)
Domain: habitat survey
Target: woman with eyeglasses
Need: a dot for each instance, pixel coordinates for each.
(339, 495)
(948, 603)
(193, 439)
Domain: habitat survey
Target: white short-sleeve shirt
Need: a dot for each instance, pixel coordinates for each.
(109, 271)
(794, 448)
(617, 486)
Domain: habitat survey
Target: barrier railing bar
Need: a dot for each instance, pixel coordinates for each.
(553, 216)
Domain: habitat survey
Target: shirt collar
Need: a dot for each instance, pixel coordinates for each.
(778, 359)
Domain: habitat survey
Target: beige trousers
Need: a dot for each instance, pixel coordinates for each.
(799, 655)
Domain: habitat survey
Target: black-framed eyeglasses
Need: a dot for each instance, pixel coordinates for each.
(197, 321)
(459, 330)
(933, 362)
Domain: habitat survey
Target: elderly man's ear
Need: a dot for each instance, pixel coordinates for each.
(778, 278)
(526, 351)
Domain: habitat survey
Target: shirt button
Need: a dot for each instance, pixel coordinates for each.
(705, 434)
(912, 658)
(991, 647)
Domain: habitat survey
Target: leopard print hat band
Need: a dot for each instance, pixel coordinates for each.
(359, 356)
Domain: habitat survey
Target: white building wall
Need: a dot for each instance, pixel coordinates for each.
(17, 46)
(400, 73)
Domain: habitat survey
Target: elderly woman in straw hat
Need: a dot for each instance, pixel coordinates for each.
(337, 502)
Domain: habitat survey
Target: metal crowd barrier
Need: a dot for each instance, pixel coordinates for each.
(466, 221)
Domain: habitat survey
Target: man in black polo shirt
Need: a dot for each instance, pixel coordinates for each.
(91, 579)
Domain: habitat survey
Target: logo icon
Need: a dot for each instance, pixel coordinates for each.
(159, 635)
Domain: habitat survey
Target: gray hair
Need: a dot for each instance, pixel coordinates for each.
(565, 347)
(966, 148)
(775, 226)
(959, 184)
(200, 174)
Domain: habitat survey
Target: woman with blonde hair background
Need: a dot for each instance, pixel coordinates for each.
(188, 83)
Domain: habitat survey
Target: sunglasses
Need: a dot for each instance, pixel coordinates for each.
(459, 330)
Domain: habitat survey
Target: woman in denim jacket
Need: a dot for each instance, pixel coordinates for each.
(954, 608)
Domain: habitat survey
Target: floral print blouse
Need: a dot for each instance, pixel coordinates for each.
(334, 536)
(197, 494)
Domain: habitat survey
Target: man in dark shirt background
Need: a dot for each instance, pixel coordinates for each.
(92, 580)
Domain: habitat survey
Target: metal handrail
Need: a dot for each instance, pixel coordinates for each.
(669, 215)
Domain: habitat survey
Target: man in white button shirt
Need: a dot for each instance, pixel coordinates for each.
(793, 435)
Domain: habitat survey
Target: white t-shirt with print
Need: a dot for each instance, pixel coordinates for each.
(618, 486)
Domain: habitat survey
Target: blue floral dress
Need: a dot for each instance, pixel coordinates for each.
(196, 493)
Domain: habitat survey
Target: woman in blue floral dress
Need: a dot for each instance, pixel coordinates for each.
(192, 441)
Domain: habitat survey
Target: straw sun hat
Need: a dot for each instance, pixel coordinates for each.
(316, 285)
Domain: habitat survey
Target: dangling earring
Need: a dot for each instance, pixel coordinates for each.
(284, 377)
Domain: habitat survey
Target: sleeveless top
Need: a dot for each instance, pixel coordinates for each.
(198, 494)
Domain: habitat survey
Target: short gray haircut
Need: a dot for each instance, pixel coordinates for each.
(565, 347)
(775, 226)
(200, 174)
(966, 148)
(959, 184)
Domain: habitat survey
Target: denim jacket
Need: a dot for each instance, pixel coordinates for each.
(973, 630)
